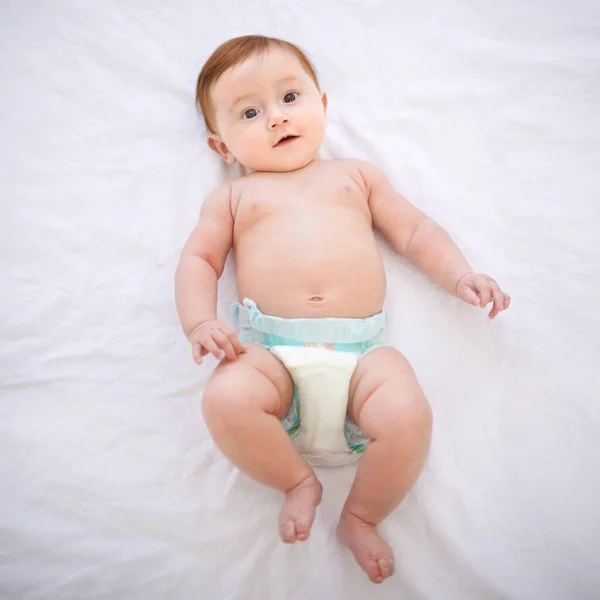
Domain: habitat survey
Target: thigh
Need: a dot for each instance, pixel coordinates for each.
(387, 377)
(244, 379)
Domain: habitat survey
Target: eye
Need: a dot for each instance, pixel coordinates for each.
(290, 97)
(250, 113)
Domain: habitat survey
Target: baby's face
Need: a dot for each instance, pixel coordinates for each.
(269, 114)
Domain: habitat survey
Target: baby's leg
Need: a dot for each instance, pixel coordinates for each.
(387, 403)
(243, 404)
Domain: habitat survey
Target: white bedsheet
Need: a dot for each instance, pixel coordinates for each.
(486, 115)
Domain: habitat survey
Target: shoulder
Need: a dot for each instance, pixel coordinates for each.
(220, 195)
(363, 173)
(226, 196)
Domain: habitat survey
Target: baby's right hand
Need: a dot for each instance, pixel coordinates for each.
(217, 339)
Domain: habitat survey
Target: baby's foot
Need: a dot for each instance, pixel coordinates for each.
(298, 512)
(370, 551)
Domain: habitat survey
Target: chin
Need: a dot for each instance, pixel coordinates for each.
(283, 164)
(292, 165)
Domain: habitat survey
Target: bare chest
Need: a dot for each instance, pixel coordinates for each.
(310, 195)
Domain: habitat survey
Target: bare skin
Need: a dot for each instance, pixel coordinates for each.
(302, 232)
(321, 214)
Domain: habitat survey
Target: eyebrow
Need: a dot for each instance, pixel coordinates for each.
(291, 78)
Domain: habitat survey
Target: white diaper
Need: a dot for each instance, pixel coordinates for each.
(322, 379)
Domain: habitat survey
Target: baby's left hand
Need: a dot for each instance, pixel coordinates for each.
(479, 290)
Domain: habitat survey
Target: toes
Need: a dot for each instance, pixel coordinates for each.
(386, 567)
(295, 531)
(288, 532)
(374, 572)
(302, 530)
(380, 570)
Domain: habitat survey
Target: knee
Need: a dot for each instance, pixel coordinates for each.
(409, 417)
(230, 397)
(224, 399)
(420, 414)
(415, 412)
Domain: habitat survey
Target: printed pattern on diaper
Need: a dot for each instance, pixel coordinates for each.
(291, 421)
(315, 345)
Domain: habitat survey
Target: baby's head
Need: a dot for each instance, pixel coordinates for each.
(262, 105)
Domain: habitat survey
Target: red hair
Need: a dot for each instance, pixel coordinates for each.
(232, 53)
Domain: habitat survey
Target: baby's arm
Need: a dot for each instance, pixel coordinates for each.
(200, 266)
(414, 235)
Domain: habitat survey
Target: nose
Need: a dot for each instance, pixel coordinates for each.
(277, 118)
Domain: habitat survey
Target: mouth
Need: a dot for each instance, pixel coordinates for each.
(286, 140)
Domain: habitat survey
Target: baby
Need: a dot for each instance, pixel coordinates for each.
(310, 278)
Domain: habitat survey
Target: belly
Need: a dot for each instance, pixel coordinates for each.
(325, 270)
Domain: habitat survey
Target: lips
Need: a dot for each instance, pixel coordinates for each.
(286, 140)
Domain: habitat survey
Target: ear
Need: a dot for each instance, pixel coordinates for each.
(324, 101)
(216, 144)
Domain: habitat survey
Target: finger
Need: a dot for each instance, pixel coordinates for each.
(212, 347)
(505, 301)
(233, 338)
(196, 353)
(469, 296)
(239, 347)
(223, 342)
(498, 300)
(484, 295)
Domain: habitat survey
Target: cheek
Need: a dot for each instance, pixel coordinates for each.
(243, 136)
(314, 113)
(253, 143)
(316, 121)
(249, 143)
